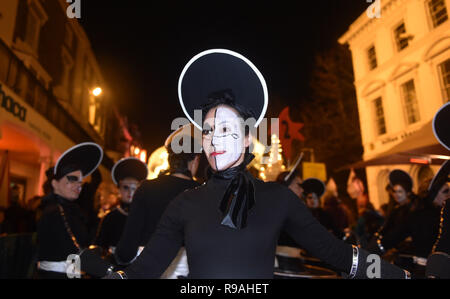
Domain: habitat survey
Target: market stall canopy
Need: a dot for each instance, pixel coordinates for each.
(421, 147)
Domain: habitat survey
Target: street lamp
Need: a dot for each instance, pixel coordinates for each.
(97, 91)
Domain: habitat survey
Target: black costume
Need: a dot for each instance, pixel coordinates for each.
(111, 226)
(55, 241)
(149, 203)
(62, 229)
(217, 251)
(86, 201)
(230, 225)
(421, 225)
(397, 220)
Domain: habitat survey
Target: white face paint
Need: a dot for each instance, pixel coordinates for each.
(223, 138)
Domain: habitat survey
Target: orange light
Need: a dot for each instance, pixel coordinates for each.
(97, 91)
(143, 156)
(419, 161)
(137, 151)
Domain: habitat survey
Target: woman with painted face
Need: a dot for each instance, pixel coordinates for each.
(62, 229)
(231, 224)
(127, 174)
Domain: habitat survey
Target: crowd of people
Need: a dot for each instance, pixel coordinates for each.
(232, 225)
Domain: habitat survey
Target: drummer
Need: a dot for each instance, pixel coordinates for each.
(127, 174)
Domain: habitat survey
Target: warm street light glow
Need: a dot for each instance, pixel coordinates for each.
(97, 91)
(143, 156)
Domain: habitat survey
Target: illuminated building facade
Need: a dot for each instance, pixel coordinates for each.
(401, 61)
(48, 73)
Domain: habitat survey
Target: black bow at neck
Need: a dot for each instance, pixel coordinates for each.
(239, 196)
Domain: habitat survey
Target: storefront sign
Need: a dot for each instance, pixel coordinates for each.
(12, 106)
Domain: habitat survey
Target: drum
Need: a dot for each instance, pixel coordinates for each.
(295, 268)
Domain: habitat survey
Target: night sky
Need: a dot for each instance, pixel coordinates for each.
(142, 46)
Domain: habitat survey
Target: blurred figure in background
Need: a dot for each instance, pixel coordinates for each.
(400, 187)
(421, 225)
(367, 219)
(313, 191)
(338, 214)
(127, 174)
(17, 219)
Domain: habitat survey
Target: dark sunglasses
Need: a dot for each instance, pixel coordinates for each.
(73, 179)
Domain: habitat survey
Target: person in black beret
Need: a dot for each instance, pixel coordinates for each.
(230, 225)
(62, 229)
(127, 174)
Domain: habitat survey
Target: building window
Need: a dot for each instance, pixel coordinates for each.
(438, 12)
(67, 64)
(444, 70)
(371, 55)
(379, 116)
(401, 38)
(32, 30)
(410, 102)
(36, 18)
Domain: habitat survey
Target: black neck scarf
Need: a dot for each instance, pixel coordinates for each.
(239, 197)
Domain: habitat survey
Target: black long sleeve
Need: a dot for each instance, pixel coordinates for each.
(217, 251)
(149, 203)
(55, 242)
(421, 225)
(443, 241)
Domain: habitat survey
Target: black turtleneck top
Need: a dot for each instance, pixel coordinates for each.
(111, 226)
(54, 241)
(149, 203)
(193, 218)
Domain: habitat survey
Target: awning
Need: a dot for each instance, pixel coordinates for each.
(419, 148)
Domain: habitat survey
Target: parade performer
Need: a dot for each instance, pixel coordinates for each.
(126, 174)
(153, 196)
(230, 225)
(62, 229)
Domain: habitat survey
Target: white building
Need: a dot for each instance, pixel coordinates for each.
(401, 64)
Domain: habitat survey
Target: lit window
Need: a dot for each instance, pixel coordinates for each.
(438, 12)
(379, 116)
(410, 102)
(400, 37)
(445, 79)
(371, 55)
